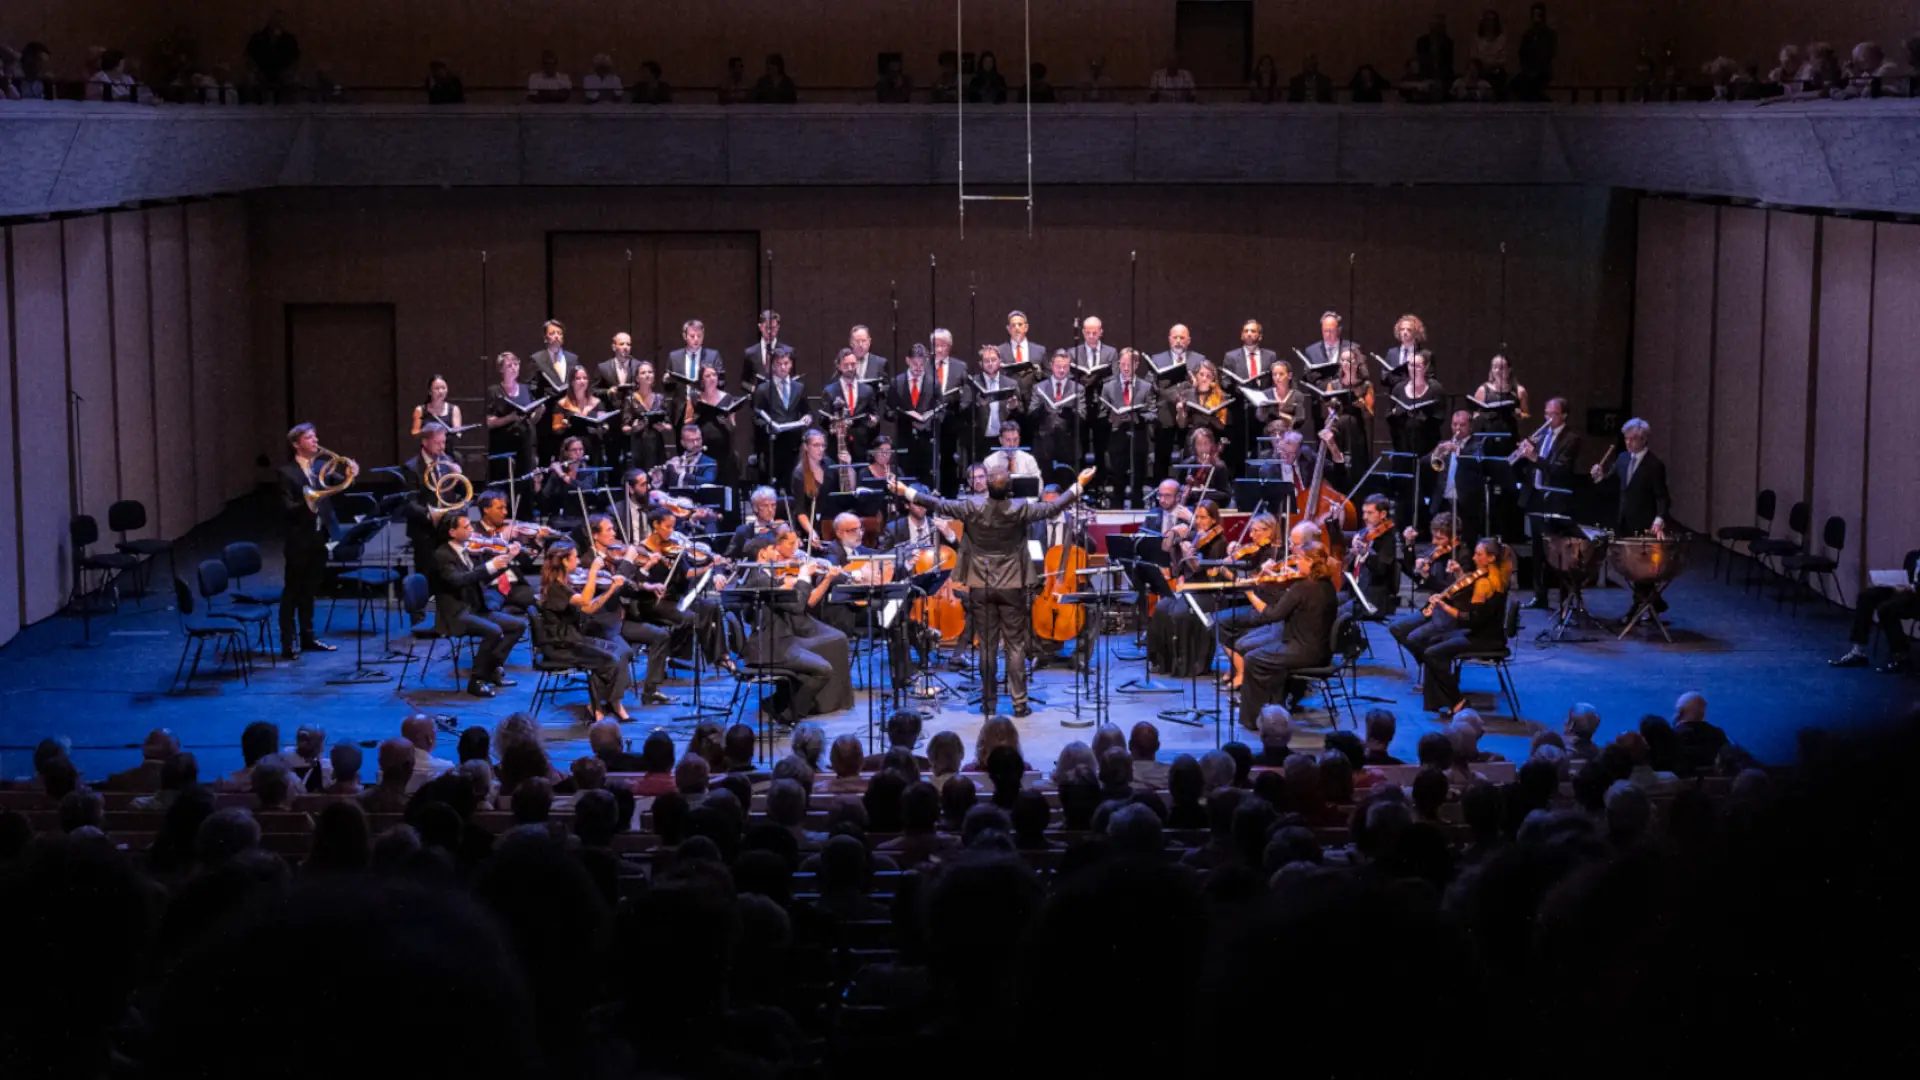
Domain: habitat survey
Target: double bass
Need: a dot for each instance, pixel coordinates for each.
(1053, 620)
(1321, 501)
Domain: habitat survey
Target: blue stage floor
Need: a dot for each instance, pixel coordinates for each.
(1764, 674)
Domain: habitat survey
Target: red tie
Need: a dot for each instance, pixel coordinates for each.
(851, 389)
(916, 394)
(943, 375)
(1129, 401)
(1253, 367)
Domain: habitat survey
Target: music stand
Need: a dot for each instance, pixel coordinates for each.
(362, 531)
(701, 710)
(1146, 564)
(924, 586)
(1259, 493)
(755, 598)
(1190, 716)
(1095, 677)
(1025, 487)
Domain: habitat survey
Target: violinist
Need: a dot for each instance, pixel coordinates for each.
(678, 562)
(562, 613)
(1470, 614)
(509, 430)
(613, 622)
(1300, 634)
(644, 419)
(818, 657)
(629, 513)
(1167, 517)
(1177, 643)
(580, 400)
(1374, 561)
(783, 400)
(765, 508)
(493, 533)
(562, 478)
(1207, 473)
(459, 582)
(851, 619)
(1240, 631)
(808, 486)
(1428, 567)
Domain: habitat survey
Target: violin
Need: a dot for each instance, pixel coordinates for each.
(601, 580)
(487, 545)
(1362, 548)
(1243, 551)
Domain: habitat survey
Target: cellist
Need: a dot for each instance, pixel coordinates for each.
(1064, 545)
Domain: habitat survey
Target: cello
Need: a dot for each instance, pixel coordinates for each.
(1053, 620)
(943, 613)
(1321, 501)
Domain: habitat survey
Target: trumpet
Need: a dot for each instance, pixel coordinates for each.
(1438, 459)
(324, 462)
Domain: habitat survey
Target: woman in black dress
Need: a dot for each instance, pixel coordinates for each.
(436, 409)
(789, 639)
(1474, 618)
(645, 420)
(580, 400)
(1416, 430)
(510, 431)
(1501, 388)
(1208, 472)
(560, 622)
(716, 433)
(807, 488)
(1176, 642)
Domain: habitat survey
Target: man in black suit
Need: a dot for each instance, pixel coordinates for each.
(916, 527)
(756, 365)
(309, 528)
(1093, 366)
(950, 374)
(420, 474)
(460, 607)
(684, 364)
(1128, 436)
(613, 379)
(1551, 457)
(873, 366)
(1459, 484)
(1020, 358)
(1376, 564)
(762, 516)
(1179, 352)
(691, 467)
(851, 619)
(1433, 51)
(1056, 407)
(781, 398)
(913, 391)
(1250, 366)
(1644, 502)
(999, 575)
(986, 417)
(849, 396)
(1311, 85)
(1323, 356)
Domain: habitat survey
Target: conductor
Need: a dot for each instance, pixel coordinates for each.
(998, 572)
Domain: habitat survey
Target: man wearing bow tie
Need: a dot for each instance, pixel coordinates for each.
(684, 364)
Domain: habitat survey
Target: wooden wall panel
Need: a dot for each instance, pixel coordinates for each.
(204, 350)
(1893, 509)
(1841, 398)
(172, 370)
(40, 437)
(1656, 357)
(9, 504)
(1738, 334)
(1784, 398)
(1689, 441)
(90, 363)
(235, 347)
(133, 364)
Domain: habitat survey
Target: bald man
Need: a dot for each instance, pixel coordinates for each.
(1179, 352)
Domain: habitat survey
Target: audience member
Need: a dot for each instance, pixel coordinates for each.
(272, 785)
(1700, 742)
(1171, 83)
(734, 88)
(998, 731)
(774, 86)
(549, 85)
(1216, 770)
(158, 748)
(946, 84)
(988, 86)
(958, 796)
(1096, 85)
(1489, 52)
(1433, 53)
(307, 758)
(1583, 720)
(846, 759)
(1276, 732)
(1185, 789)
(903, 732)
(443, 86)
(1038, 90)
(1367, 87)
(1264, 87)
(602, 83)
(257, 740)
(1381, 728)
(604, 738)
(1242, 759)
(1474, 85)
(1310, 85)
(893, 86)
(395, 781)
(809, 743)
(420, 730)
(1143, 742)
(274, 54)
(650, 87)
(180, 773)
(919, 841)
(1629, 812)
(344, 759)
(1538, 47)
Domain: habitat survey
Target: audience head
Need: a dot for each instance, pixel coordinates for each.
(82, 809)
(396, 763)
(737, 744)
(1629, 811)
(1074, 757)
(1136, 831)
(1116, 770)
(957, 796)
(946, 753)
(998, 731)
(691, 776)
(182, 771)
(919, 808)
(786, 803)
(1276, 729)
(345, 758)
(904, 727)
(1434, 750)
(1691, 708)
(1381, 727)
(1185, 782)
(846, 756)
(882, 800)
(1106, 737)
(656, 753)
(1031, 815)
(1143, 741)
(603, 737)
(596, 816)
(419, 730)
(589, 774)
(1216, 770)
(272, 783)
(224, 834)
(532, 801)
(257, 740)
(899, 760)
(476, 744)
(1242, 759)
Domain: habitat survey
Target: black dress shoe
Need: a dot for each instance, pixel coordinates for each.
(479, 689)
(288, 653)
(654, 697)
(499, 681)
(1896, 666)
(1022, 710)
(1852, 659)
(314, 644)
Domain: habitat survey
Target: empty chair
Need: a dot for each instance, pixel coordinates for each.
(213, 585)
(424, 627)
(228, 637)
(106, 567)
(1798, 568)
(1776, 548)
(243, 561)
(1761, 529)
(130, 515)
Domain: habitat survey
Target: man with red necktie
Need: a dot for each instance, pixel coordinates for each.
(1131, 433)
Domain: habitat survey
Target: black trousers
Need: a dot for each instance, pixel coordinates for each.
(1891, 607)
(606, 666)
(1003, 618)
(517, 600)
(1124, 451)
(1267, 669)
(306, 571)
(498, 631)
(653, 638)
